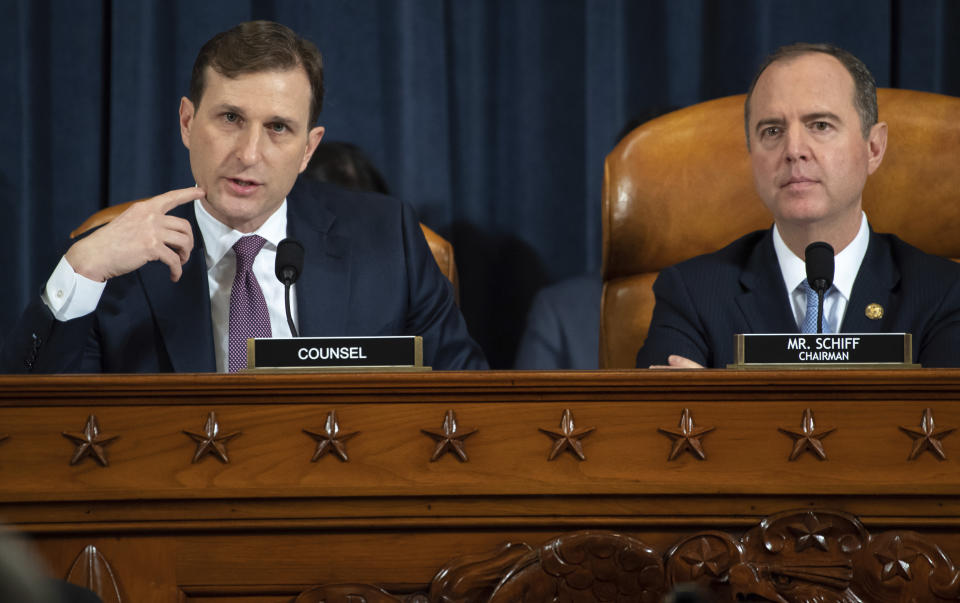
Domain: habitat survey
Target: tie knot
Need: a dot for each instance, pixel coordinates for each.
(247, 249)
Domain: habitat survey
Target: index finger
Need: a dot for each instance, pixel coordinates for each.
(171, 199)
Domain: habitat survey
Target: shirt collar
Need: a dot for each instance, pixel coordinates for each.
(846, 263)
(218, 238)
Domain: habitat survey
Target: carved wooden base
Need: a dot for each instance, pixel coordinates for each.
(796, 556)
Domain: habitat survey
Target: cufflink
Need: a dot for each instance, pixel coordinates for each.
(874, 311)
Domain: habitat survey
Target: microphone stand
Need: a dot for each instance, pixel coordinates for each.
(819, 284)
(287, 283)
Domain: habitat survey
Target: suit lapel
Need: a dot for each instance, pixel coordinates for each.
(322, 291)
(181, 310)
(764, 301)
(877, 277)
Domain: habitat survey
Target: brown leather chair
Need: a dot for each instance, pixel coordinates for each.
(441, 248)
(681, 185)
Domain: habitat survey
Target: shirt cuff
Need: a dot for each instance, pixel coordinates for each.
(69, 295)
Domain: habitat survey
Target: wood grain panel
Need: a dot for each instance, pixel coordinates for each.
(270, 523)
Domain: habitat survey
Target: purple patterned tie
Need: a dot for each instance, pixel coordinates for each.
(248, 309)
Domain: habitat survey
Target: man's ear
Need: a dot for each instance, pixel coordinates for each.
(876, 146)
(313, 139)
(186, 120)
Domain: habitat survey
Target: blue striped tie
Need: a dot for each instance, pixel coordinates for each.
(810, 318)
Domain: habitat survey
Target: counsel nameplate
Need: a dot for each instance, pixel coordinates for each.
(786, 350)
(335, 352)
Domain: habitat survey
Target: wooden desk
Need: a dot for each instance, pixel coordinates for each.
(270, 523)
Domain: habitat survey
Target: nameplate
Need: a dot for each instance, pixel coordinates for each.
(837, 350)
(335, 352)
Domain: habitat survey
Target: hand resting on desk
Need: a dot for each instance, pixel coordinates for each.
(677, 362)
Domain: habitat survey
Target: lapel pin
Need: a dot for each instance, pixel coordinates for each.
(874, 311)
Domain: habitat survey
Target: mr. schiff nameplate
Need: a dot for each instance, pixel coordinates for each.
(335, 352)
(828, 350)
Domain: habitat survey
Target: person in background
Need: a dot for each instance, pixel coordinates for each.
(563, 323)
(346, 165)
(563, 326)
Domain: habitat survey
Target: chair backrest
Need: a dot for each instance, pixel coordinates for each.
(681, 185)
(440, 247)
(442, 251)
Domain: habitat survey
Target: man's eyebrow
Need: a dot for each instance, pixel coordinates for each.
(820, 116)
(225, 108)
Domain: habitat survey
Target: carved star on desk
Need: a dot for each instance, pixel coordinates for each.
(811, 532)
(450, 438)
(90, 443)
(808, 438)
(928, 437)
(568, 437)
(686, 437)
(706, 559)
(896, 560)
(210, 441)
(330, 439)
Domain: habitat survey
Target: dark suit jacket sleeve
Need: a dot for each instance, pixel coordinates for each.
(939, 344)
(39, 343)
(432, 313)
(676, 327)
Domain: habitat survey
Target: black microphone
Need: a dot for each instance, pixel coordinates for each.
(288, 267)
(819, 259)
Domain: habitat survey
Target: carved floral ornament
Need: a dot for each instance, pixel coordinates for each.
(791, 557)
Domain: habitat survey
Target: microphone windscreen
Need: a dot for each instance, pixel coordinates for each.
(819, 259)
(289, 260)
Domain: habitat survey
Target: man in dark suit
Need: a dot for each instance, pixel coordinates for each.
(178, 282)
(563, 327)
(813, 137)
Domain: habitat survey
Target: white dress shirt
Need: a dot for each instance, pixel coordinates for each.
(70, 295)
(218, 240)
(846, 266)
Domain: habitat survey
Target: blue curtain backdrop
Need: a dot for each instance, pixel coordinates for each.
(491, 117)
